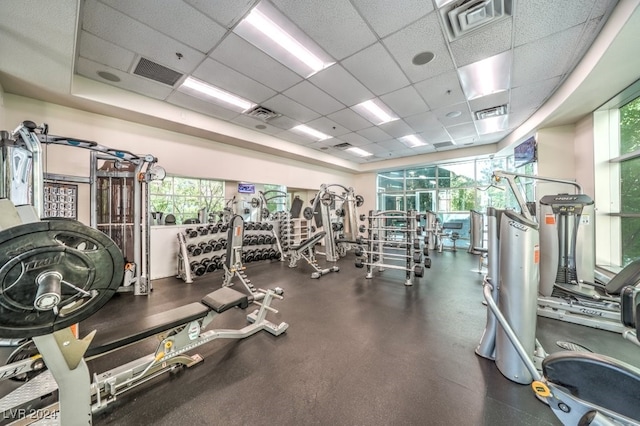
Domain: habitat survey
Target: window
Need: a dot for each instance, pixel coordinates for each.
(185, 197)
(630, 181)
(276, 201)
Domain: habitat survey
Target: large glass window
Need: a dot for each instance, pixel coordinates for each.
(185, 197)
(630, 181)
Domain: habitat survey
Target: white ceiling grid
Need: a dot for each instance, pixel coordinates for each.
(372, 43)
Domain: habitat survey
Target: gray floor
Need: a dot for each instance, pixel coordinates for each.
(358, 352)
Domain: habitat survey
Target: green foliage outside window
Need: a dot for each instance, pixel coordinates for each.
(630, 181)
(184, 197)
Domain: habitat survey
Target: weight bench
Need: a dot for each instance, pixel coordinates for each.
(306, 250)
(453, 235)
(182, 330)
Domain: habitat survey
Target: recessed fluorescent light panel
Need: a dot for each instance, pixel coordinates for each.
(202, 90)
(412, 141)
(359, 151)
(487, 76)
(492, 125)
(375, 111)
(308, 131)
(270, 31)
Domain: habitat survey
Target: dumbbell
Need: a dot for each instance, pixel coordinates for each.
(249, 226)
(260, 240)
(194, 250)
(266, 254)
(269, 227)
(277, 255)
(202, 230)
(190, 233)
(213, 228)
(223, 241)
(215, 244)
(224, 227)
(197, 268)
(246, 240)
(218, 261)
(206, 247)
(249, 256)
(210, 265)
(254, 240)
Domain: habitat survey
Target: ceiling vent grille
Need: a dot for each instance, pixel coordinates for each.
(343, 146)
(491, 112)
(465, 16)
(262, 113)
(157, 72)
(442, 144)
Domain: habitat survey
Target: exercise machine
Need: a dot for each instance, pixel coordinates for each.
(581, 388)
(118, 185)
(56, 273)
(306, 250)
(567, 290)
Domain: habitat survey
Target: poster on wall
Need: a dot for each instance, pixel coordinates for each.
(60, 200)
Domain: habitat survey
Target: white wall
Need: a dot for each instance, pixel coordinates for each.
(555, 159)
(583, 154)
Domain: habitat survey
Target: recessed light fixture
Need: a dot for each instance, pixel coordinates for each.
(359, 151)
(423, 58)
(375, 111)
(492, 125)
(454, 114)
(194, 87)
(488, 76)
(260, 126)
(270, 31)
(108, 76)
(310, 132)
(412, 141)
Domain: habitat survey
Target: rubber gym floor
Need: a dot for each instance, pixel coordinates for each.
(357, 352)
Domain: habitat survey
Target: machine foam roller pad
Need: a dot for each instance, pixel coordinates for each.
(225, 298)
(629, 301)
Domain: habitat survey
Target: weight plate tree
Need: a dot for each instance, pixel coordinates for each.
(54, 274)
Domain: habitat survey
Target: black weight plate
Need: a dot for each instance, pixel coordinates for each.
(307, 213)
(86, 258)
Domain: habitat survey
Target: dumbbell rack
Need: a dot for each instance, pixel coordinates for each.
(202, 249)
(399, 243)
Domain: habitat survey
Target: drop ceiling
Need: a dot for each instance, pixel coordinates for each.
(372, 44)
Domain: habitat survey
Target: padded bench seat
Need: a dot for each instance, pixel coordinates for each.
(305, 244)
(117, 337)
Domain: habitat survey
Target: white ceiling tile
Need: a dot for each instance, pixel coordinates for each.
(355, 139)
(384, 77)
(337, 82)
(349, 119)
(423, 122)
(117, 28)
(405, 102)
(483, 43)
(392, 145)
(386, 16)
(290, 108)
(436, 134)
(255, 124)
(544, 58)
(537, 19)
(253, 62)
(127, 81)
(225, 12)
(531, 96)
(333, 24)
(198, 105)
(397, 128)
(169, 17)
(296, 137)
(423, 35)
(374, 148)
(283, 122)
(104, 52)
(441, 90)
(314, 98)
(490, 101)
(225, 78)
(374, 134)
(460, 131)
(464, 117)
(601, 8)
(328, 127)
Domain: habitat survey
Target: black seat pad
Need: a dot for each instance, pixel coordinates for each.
(126, 334)
(305, 244)
(225, 298)
(597, 379)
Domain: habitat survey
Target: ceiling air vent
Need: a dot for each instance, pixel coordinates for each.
(262, 113)
(156, 72)
(342, 146)
(464, 16)
(442, 144)
(491, 112)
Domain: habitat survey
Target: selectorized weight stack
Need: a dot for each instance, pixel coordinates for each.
(394, 242)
